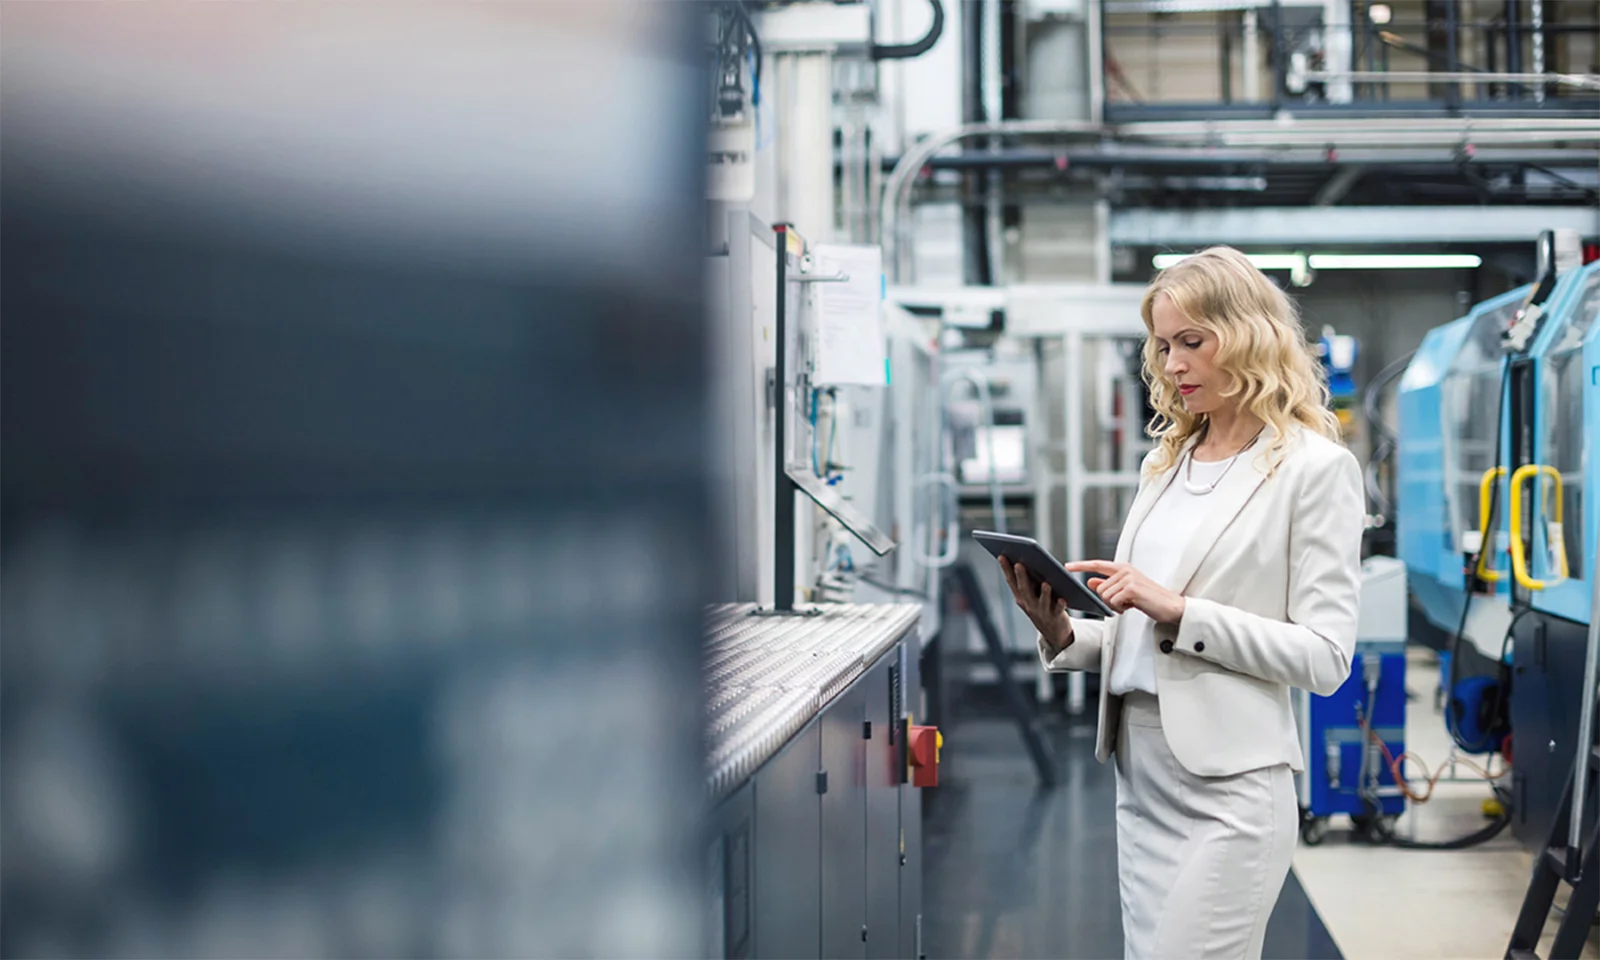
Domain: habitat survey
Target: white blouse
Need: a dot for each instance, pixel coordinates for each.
(1160, 542)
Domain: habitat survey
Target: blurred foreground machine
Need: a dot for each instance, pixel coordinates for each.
(813, 754)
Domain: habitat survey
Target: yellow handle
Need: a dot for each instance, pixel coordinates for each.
(1484, 552)
(1519, 560)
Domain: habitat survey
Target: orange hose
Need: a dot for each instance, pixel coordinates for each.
(1395, 769)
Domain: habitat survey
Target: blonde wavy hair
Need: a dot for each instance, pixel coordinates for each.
(1261, 347)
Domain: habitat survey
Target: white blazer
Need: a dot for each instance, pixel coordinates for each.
(1272, 587)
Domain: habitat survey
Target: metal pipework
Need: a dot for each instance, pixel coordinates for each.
(1397, 132)
(1581, 81)
(1320, 134)
(897, 195)
(989, 90)
(997, 504)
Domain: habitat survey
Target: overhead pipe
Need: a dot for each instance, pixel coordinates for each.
(1452, 51)
(1374, 132)
(989, 92)
(1581, 81)
(1400, 132)
(897, 194)
(1202, 159)
(1513, 43)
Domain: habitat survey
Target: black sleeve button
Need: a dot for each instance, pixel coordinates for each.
(1166, 646)
(1199, 646)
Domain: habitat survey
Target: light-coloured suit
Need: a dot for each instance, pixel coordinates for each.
(1271, 586)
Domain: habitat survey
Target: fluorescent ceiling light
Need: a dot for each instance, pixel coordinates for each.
(1345, 261)
(1395, 261)
(1262, 261)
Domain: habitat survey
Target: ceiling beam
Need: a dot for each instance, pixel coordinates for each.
(1346, 226)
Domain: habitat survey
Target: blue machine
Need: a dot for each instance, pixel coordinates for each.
(1351, 737)
(1493, 444)
(1566, 361)
(1449, 403)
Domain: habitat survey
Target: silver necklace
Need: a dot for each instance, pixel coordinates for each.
(1196, 489)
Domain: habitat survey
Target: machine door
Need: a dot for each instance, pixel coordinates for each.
(1553, 491)
(1472, 414)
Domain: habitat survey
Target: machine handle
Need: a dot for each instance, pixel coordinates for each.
(1484, 550)
(1519, 559)
(952, 528)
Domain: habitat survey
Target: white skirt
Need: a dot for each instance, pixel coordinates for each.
(1200, 860)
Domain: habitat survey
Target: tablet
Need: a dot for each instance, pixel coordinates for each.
(1045, 569)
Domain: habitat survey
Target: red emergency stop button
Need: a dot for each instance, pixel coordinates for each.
(924, 744)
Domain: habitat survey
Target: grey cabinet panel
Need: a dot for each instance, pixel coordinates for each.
(729, 869)
(911, 815)
(788, 862)
(826, 877)
(883, 813)
(844, 826)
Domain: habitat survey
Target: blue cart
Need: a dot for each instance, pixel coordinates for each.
(1347, 770)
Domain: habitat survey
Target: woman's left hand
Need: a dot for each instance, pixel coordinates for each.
(1123, 588)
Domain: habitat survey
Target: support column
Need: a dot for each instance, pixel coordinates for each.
(805, 136)
(1073, 410)
(1339, 45)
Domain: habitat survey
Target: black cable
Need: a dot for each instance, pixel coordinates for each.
(755, 48)
(1484, 835)
(1386, 440)
(1477, 558)
(1373, 393)
(916, 48)
(1565, 181)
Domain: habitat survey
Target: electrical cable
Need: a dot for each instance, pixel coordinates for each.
(1484, 835)
(1383, 832)
(1370, 399)
(755, 49)
(811, 416)
(833, 435)
(1397, 769)
(1477, 559)
(916, 48)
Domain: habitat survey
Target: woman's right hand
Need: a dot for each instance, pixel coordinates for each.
(1047, 611)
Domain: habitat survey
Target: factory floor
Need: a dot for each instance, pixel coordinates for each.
(1014, 871)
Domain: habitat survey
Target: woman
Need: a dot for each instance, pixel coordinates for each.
(1235, 579)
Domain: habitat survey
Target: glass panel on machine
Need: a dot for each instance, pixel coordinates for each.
(1562, 390)
(1470, 407)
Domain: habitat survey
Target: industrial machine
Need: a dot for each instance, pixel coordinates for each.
(1338, 355)
(1555, 409)
(813, 771)
(1492, 528)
